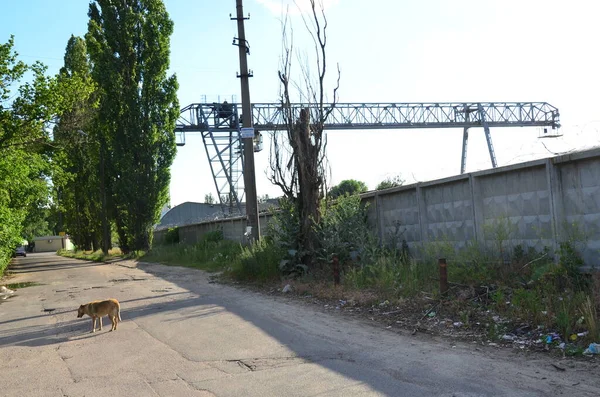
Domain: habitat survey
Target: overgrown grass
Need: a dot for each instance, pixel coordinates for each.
(259, 262)
(211, 254)
(98, 256)
(488, 280)
(529, 288)
(392, 276)
(22, 285)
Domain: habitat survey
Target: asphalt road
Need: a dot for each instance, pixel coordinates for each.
(182, 335)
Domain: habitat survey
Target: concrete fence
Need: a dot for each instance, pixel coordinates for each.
(535, 204)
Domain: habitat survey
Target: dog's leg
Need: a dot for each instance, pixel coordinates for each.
(93, 324)
(100, 319)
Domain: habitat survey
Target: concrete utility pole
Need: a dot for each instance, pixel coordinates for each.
(249, 172)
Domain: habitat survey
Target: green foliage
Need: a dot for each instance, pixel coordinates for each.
(393, 276)
(348, 187)
(343, 228)
(258, 262)
(571, 262)
(25, 108)
(24, 284)
(284, 227)
(128, 43)
(390, 182)
(172, 236)
(209, 199)
(95, 256)
(210, 254)
(215, 236)
(76, 179)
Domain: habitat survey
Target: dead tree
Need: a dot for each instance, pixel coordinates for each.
(298, 161)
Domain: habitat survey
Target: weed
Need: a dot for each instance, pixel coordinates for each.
(207, 255)
(22, 285)
(258, 262)
(590, 316)
(95, 256)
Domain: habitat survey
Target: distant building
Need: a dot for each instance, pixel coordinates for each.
(190, 213)
(52, 243)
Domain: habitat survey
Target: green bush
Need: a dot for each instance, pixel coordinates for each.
(172, 235)
(214, 236)
(343, 230)
(284, 227)
(258, 262)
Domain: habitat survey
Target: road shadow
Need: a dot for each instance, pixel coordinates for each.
(31, 268)
(60, 311)
(44, 262)
(328, 351)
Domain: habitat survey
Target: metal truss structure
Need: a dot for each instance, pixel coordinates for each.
(219, 125)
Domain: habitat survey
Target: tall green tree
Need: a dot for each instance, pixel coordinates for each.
(25, 110)
(76, 180)
(390, 182)
(348, 187)
(128, 42)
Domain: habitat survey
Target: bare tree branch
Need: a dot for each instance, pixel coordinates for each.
(298, 162)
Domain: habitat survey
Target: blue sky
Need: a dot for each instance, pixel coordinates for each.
(388, 51)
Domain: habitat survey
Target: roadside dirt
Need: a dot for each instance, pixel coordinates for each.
(426, 318)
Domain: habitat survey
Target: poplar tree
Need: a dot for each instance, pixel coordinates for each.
(128, 42)
(76, 179)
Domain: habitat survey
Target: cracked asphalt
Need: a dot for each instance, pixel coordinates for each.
(183, 335)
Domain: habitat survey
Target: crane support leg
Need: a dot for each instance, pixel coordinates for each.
(488, 136)
(463, 159)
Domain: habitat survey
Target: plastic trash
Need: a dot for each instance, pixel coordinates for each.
(593, 348)
(5, 292)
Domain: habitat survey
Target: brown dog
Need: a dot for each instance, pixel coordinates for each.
(98, 309)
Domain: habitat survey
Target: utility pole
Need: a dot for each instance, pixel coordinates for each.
(247, 138)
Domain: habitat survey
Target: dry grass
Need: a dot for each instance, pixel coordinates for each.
(326, 290)
(96, 256)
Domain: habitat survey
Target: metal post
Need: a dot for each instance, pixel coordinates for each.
(336, 270)
(443, 276)
(249, 173)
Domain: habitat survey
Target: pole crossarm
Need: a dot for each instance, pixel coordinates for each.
(345, 116)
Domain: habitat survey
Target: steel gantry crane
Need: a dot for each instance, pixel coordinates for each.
(219, 124)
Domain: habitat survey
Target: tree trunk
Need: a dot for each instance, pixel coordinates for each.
(308, 181)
